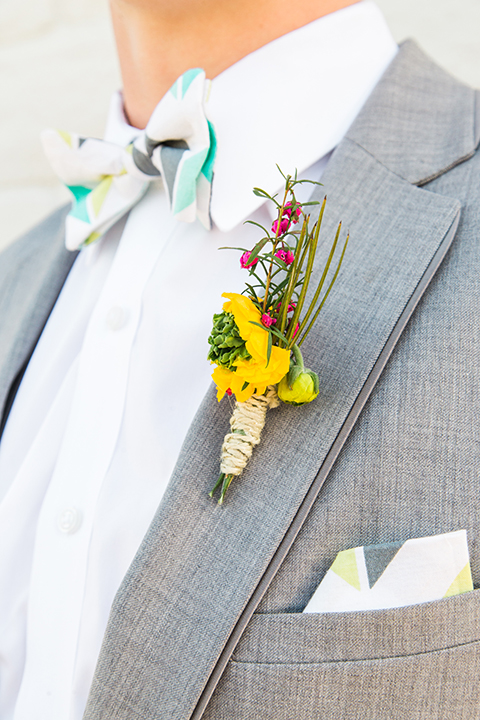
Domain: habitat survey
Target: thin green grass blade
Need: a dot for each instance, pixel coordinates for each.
(308, 273)
(320, 284)
(300, 341)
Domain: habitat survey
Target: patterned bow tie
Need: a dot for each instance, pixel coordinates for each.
(106, 180)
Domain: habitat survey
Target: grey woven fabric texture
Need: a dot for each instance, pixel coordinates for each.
(409, 469)
(32, 272)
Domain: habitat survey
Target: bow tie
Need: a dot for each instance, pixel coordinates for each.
(106, 180)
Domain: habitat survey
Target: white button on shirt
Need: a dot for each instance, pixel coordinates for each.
(69, 520)
(116, 318)
(121, 366)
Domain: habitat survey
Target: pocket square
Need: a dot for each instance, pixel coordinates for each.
(374, 577)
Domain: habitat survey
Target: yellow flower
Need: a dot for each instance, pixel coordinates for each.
(256, 373)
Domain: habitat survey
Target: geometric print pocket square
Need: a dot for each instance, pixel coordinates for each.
(374, 577)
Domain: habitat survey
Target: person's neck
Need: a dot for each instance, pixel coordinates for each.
(158, 40)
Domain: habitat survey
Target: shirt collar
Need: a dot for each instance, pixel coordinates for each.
(268, 110)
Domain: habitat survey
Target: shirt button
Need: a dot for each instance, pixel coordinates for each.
(116, 318)
(69, 521)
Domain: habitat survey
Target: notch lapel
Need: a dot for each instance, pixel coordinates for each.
(419, 121)
(200, 564)
(32, 273)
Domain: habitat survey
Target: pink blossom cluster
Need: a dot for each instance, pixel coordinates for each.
(287, 218)
(268, 320)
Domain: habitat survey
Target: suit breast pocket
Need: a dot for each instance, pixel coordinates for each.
(420, 662)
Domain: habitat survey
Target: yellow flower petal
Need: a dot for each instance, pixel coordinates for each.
(257, 372)
(221, 378)
(227, 380)
(261, 373)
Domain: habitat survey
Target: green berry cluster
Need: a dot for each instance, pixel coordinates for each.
(226, 345)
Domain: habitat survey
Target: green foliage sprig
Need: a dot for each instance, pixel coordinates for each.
(280, 267)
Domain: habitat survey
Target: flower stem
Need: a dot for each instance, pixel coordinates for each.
(275, 242)
(296, 268)
(217, 484)
(298, 356)
(226, 484)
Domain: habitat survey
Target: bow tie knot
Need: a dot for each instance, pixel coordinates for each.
(106, 180)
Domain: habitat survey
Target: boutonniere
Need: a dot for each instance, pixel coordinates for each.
(255, 341)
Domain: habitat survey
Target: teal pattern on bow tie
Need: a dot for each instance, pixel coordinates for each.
(106, 180)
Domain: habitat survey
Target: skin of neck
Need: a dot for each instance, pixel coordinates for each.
(158, 40)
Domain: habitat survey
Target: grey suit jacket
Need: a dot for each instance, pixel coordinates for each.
(208, 620)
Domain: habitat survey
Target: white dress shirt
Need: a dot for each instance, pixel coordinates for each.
(121, 366)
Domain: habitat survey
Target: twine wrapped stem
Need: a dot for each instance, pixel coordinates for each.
(246, 425)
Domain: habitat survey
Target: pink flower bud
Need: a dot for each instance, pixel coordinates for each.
(287, 210)
(245, 258)
(284, 225)
(286, 255)
(267, 320)
(291, 307)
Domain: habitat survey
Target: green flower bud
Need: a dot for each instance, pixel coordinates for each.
(226, 345)
(300, 385)
(303, 389)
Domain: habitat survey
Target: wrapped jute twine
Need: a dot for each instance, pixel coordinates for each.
(246, 423)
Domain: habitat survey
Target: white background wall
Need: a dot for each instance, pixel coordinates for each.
(58, 69)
